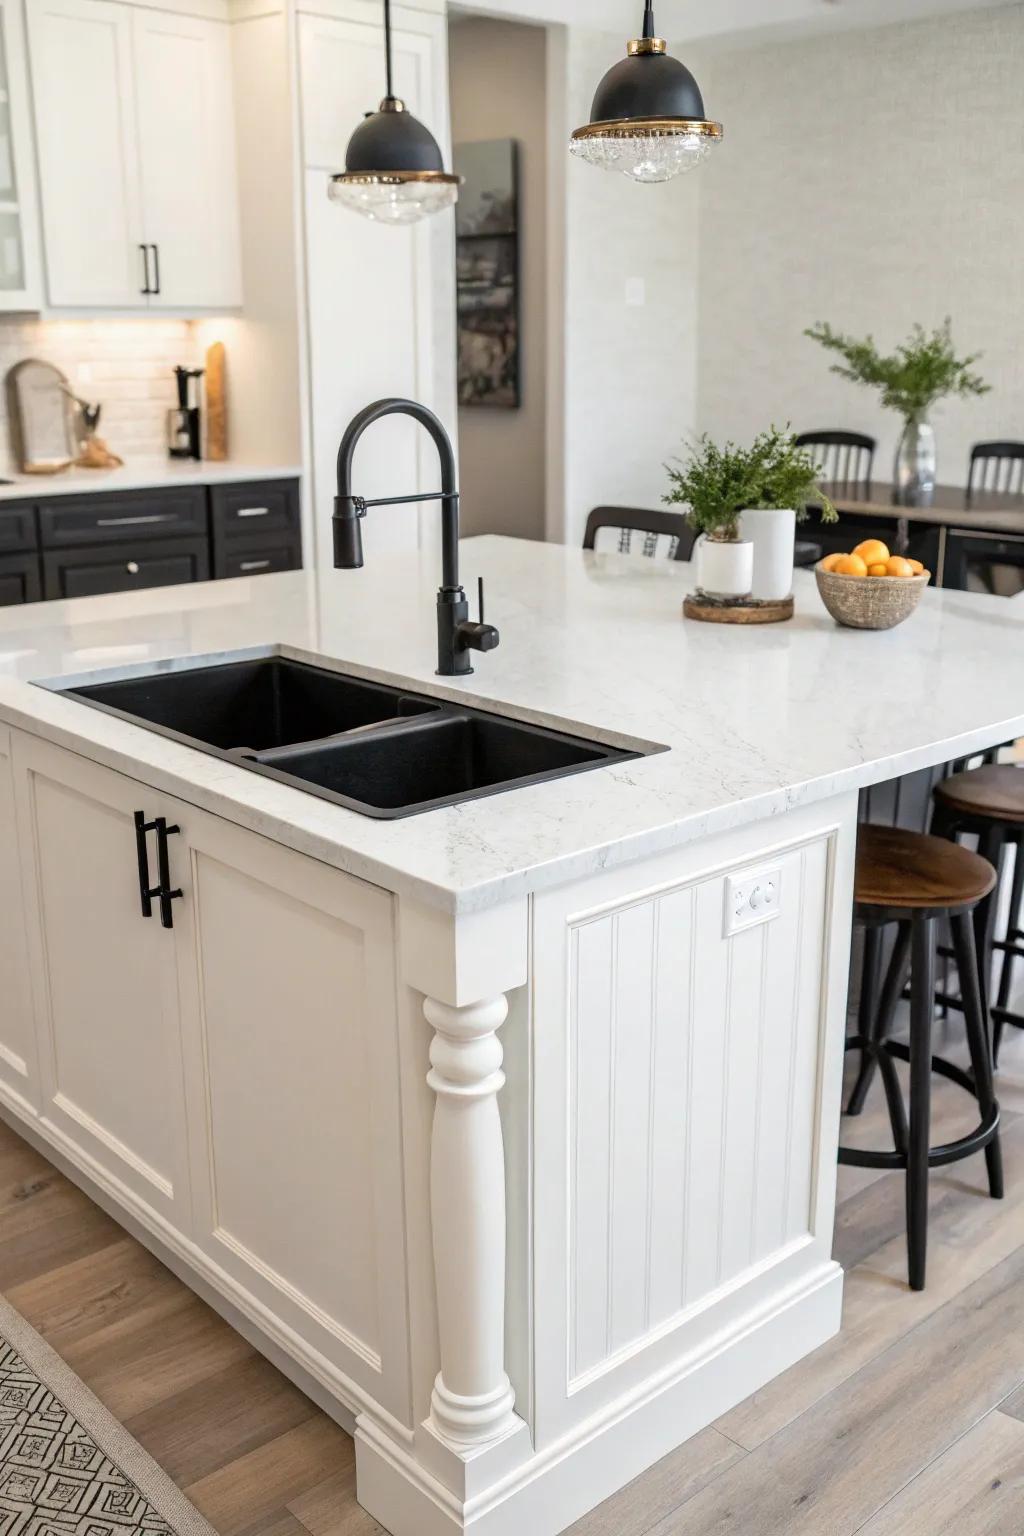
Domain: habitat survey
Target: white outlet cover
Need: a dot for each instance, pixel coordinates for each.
(751, 898)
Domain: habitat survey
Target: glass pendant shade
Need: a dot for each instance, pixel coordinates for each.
(648, 118)
(394, 171)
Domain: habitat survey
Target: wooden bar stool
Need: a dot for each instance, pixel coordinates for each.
(989, 802)
(913, 880)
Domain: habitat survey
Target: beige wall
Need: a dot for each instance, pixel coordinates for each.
(873, 179)
(498, 91)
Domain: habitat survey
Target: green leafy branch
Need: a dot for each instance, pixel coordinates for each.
(716, 484)
(922, 370)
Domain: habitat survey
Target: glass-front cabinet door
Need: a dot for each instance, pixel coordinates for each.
(20, 286)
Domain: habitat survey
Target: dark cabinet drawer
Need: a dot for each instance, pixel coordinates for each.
(19, 580)
(17, 528)
(256, 507)
(67, 521)
(125, 567)
(241, 557)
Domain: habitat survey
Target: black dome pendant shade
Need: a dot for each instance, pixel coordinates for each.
(648, 118)
(394, 170)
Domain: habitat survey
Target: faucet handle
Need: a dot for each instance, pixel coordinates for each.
(480, 597)
(478, 636)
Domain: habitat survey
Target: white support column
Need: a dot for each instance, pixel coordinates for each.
(472, 1401)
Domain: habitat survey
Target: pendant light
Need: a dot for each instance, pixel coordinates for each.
(648, 116)
(394, 172)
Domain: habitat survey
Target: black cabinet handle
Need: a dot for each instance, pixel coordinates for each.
(146, 891)
(166, 895)
(145, 269)
(156, 268)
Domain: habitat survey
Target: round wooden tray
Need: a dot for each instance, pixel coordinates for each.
(736, 610)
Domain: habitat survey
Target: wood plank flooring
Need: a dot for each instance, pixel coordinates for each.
(910, 1423)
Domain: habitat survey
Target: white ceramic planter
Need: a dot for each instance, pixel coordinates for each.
(773, 535)
(725, 570)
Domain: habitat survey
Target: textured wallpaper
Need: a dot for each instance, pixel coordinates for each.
(873, 179)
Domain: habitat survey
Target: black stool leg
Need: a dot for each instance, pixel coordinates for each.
(977, 1040)
(867, 1015)
(922, 1005)
(1009, 956)
(990, 844)
(877, 1027)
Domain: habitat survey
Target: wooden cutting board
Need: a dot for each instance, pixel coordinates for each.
(216, 402)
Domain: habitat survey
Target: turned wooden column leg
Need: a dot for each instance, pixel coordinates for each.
(472, 1402)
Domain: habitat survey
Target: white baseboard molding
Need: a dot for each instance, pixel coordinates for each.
(560, 1485)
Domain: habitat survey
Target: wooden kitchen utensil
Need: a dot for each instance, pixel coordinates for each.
(216, 402)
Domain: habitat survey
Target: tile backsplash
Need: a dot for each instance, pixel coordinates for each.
(124, 364)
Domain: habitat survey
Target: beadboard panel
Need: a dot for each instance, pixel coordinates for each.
(690, 1161)
(689, 1061)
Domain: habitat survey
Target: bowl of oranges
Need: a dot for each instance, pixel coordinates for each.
(871, 588)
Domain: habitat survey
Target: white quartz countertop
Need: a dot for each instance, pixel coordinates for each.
(757, 720)
(139, 475)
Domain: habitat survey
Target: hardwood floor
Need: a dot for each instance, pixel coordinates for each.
(910, 1423)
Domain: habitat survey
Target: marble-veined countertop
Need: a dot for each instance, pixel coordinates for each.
(138, 475)
(757, 720)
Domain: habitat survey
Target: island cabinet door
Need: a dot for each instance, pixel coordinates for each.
(290, 1030)
(18, 1075)
(688, 1052)
(104, 980)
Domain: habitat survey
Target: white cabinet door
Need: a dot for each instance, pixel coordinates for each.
(104, 980)
(83, 85)
(17, 1037)
(290, 1029)
(187, 152)
(20, 276)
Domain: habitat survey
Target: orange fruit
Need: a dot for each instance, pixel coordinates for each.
(916, 567)
(830, 562)
(878, 570)
(873, 552)
(850, 565)
(897, 566)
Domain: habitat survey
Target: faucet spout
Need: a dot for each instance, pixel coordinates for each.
(456, 635)
(348, 508)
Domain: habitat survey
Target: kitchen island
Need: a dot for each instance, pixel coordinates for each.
(518, 1283)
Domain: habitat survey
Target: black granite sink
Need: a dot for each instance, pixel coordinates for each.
(380, 750)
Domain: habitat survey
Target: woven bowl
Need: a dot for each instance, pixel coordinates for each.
(870, 602)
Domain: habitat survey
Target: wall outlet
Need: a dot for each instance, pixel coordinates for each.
(751, 898)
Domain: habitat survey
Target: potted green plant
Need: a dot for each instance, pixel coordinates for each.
(724, 488)
(923, 370)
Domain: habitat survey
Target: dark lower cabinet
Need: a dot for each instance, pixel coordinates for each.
(124, 567)
(236, 558)
(19, 580)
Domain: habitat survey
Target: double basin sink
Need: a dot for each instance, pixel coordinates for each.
(376, 749)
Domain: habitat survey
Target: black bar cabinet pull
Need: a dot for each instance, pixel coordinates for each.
(156, 268)
(145, 269)
(146, 891)
(166, 895)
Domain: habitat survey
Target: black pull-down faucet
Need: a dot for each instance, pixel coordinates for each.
(457, 636)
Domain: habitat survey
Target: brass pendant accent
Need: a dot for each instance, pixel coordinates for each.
(657, 127)
(639, 46)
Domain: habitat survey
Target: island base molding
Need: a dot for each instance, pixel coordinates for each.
(547, 1493)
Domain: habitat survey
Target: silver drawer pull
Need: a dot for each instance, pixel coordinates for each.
(132, 567)
(253, 512)
(133, 522)
(254, 565)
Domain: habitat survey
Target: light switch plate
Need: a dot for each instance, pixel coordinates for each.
(753, 897)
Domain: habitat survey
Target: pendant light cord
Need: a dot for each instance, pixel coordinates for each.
(387, 49)
(649, 18)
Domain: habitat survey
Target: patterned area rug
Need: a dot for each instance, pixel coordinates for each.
(67, 1467)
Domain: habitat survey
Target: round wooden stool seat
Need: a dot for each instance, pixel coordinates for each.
(995, 793)
(912, 872)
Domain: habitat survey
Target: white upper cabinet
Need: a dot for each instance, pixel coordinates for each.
(136, 155)
(187, 152)
(20, 285)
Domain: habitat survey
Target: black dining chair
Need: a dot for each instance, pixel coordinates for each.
(846, 458)
(640, 531)
(996, 467)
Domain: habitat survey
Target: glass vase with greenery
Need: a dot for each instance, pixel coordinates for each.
(716, 484)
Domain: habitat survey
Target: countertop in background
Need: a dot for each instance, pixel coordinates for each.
(140, 475)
